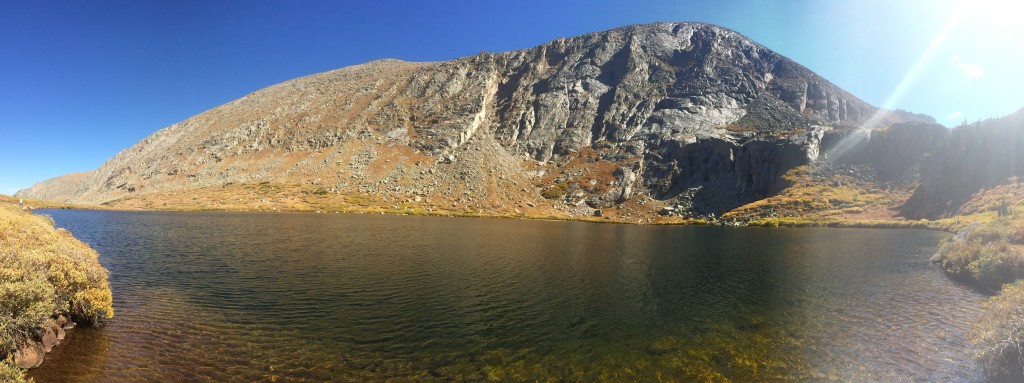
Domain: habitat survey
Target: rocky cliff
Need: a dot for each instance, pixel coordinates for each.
(893, 154)
(636, 117)
(975, 157)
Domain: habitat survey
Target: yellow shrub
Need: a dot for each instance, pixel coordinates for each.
(998, 336)
(45, 272)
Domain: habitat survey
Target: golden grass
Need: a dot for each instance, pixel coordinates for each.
(990, 255)
(1009, 194)
(998, 336)
(45, 273)
(817, 200)
(32, 203)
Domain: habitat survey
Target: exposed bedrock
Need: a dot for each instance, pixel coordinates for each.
(674, 106)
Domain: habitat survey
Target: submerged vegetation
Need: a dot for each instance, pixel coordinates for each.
(45, 273)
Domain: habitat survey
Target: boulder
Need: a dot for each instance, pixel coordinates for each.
(29, 355)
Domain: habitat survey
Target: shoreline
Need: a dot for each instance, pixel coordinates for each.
(949, 225)
(51, 282)
(791, 222)
(658, 344)
(32, 354)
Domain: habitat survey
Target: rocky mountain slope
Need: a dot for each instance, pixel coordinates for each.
(677, 118)
(974, 158)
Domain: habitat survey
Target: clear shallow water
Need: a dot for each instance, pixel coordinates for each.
(242, 297)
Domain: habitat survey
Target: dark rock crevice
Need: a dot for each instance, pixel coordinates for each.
(722, 175)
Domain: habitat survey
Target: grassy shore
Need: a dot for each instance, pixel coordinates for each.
(31, 203)
(990, 255)
(45, 273)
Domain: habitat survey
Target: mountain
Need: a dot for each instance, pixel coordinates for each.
(688, 117)
(974, 161)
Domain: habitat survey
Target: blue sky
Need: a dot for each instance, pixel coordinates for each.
(80, 81)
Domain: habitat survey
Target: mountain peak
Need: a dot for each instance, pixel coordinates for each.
(664, 108)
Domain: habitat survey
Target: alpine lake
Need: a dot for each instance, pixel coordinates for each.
(298, 297)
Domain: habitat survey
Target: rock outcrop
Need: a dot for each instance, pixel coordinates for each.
(893, 153)
(663, 111)
(974, 157)
(31, 354)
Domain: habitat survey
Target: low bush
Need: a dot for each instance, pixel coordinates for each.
(556, 191)
(989, 256)
(45, 273)
(9, 373)
(998, 337)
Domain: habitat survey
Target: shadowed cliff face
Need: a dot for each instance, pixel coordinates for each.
(973, 158)
(721, 175)
(673, 108)
(893, 153)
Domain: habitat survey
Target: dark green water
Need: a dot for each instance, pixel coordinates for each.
(244, 297)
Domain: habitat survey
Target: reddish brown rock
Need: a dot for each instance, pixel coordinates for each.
(31, 355)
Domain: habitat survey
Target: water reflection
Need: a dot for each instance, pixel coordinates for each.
(300, 297)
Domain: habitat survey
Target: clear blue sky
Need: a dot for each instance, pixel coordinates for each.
(80, 81)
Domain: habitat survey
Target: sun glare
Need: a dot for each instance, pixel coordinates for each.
(977, 36)
(1002, 12)
(993, 24)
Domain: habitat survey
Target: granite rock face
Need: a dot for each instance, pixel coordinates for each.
(653, 83)
(678, 108)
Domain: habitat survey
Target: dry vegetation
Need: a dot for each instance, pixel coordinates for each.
(44, 273)
(31, 203)
(814, 197)
(811, 196)
(989, 253)
(999, 335)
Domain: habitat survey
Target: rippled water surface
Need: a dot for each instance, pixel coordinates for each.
(242, 297)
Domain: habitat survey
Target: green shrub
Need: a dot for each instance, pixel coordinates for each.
(9, 373)
(987, 255)
(997, 264)
(24, 305)
(556, 191)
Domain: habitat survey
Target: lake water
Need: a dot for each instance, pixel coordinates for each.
(278, 297)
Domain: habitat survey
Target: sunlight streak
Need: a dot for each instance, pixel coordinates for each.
(897, 94)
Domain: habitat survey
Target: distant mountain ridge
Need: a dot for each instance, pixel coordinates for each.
(689, 116)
